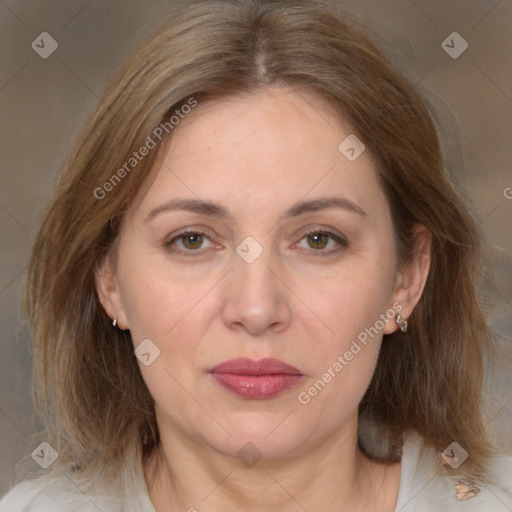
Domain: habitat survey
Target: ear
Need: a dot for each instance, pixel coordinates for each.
(108, 292)
(411, 279)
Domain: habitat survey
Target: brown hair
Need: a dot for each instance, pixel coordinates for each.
(87, 384)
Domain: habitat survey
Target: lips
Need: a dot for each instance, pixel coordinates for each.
(256, 380)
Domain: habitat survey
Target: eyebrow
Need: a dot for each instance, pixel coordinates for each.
(216, 210)
(322, 203)
(190, 205)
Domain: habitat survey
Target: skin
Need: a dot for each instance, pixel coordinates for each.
(257, 155)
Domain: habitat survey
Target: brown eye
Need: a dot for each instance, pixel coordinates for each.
(318, 240)
(189, 242)
(322, 243)
(192, 240)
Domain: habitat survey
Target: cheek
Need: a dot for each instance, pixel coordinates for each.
(351, 300)
(355, 306)
(344, 362)
(174, 313)
(157, 301)
(331, 398)
(168, 316)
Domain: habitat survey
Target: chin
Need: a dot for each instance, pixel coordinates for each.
(265, 434)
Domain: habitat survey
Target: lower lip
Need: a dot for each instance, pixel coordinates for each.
(256, 387)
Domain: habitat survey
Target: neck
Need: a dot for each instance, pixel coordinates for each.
(331, 476)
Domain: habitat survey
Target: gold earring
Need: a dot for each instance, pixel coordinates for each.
(114, 322)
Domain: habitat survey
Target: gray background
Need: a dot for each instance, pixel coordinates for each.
(45, 101)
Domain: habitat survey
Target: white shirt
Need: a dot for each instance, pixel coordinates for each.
(424, 487)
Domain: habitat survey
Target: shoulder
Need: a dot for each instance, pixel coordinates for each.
(425, 486)
(55, 492)
(60, 490)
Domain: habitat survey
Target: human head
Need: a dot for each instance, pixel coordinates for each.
(309, 47)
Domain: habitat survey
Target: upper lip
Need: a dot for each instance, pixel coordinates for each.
(246, 366)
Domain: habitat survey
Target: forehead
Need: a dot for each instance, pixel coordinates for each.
(261, 123)
(258, 147)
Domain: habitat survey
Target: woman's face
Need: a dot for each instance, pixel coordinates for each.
(289, 255)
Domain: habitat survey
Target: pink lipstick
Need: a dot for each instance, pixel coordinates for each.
(256, 380)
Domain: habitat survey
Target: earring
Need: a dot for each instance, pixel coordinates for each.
(401, 323)
(114, 322)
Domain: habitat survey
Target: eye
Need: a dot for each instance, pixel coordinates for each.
(188, 241)
(322, 241)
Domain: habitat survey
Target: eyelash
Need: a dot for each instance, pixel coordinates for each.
(341, 241)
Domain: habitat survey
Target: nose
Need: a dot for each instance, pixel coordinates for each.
(256, 298)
